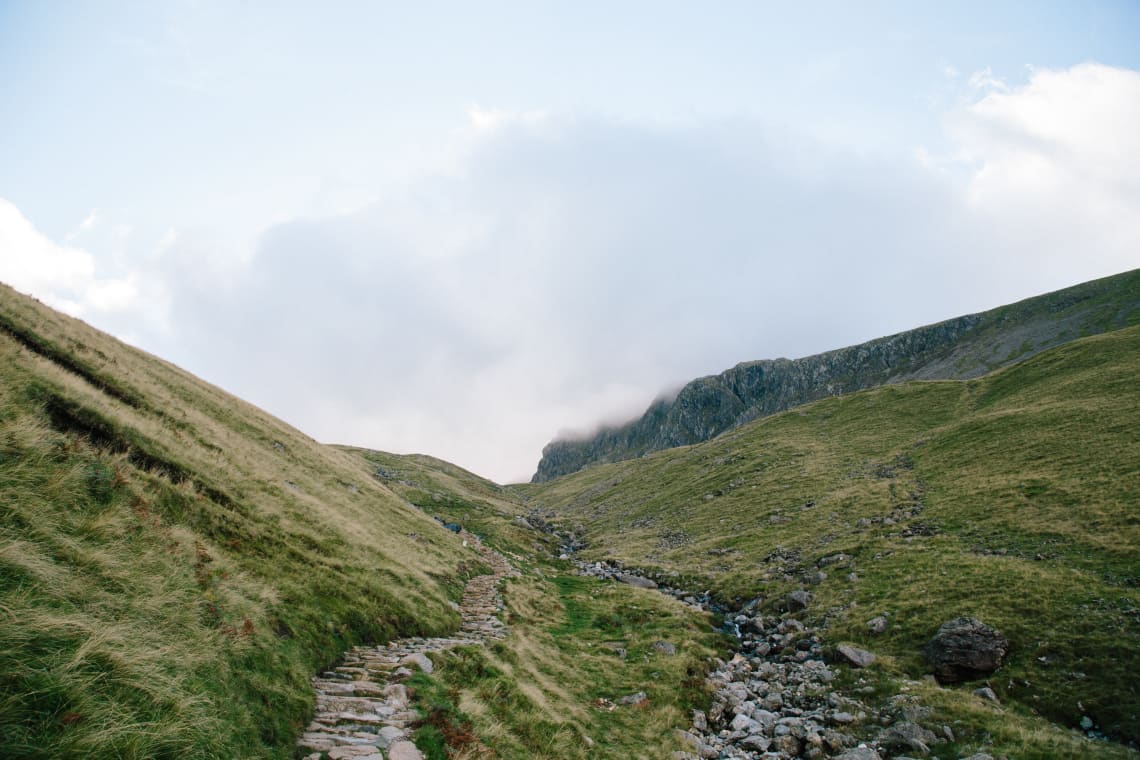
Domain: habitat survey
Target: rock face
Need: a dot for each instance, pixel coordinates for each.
(959, 348)
(964, 649)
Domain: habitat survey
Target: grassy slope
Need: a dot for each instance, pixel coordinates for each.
(174, 563)
(1012, 497)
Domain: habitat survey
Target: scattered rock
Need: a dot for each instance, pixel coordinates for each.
(854, 656)
(964, 649)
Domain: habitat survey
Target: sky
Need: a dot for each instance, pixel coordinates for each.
(464, 229)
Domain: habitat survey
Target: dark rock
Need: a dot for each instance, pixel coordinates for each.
(964, 649)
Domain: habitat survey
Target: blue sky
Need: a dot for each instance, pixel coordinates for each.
(460, 228)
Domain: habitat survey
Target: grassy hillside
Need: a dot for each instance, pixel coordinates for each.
(175, 563)
(1012, 498)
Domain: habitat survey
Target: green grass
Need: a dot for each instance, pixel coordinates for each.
(552, 688)
(174, 563)
(1012, 498)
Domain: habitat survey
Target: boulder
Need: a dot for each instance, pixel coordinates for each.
(964, 649)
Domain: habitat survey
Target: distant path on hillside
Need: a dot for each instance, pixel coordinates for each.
(363, 706)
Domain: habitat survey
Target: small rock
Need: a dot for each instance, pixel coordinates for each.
(743, 723)
(636, 581)
(859, 753)
(389, 735)
(877, 625)
(856, 657)
(665, 647)
(420, 660)
(756, 743)
(980, 756)
(634, 699)
(1086, 723)
(404, 750)
(987, 693)
(799, 599)
(842, 717)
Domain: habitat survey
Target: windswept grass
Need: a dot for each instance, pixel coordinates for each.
(174, 563)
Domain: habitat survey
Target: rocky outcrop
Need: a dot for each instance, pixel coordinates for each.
(960, 348)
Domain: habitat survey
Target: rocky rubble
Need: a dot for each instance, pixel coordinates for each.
(363, 708)
(775, 700)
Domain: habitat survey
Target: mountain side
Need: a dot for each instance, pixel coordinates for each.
(960, 348)
(1009, 498)
(175, 563)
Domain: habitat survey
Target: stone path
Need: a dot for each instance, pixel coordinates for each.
(363, 710)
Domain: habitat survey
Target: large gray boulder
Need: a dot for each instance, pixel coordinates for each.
(964, 649)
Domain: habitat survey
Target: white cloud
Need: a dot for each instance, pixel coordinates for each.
(1055, 164)
(70, 278)
(88, 223)
(559, 271)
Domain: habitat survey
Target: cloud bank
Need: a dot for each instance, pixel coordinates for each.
(555, 271)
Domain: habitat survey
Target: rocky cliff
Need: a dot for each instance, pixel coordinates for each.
(959, 348)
